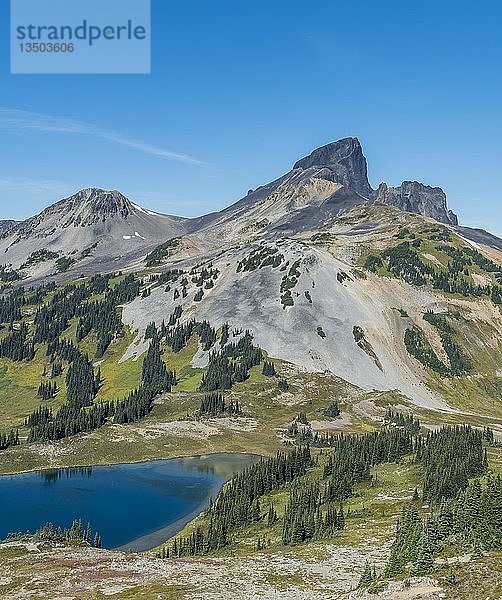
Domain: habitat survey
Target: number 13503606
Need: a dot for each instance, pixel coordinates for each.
(34, 47)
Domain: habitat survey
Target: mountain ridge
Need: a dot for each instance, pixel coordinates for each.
(321, 186)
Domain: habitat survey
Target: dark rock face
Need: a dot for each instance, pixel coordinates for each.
(341, 162)
(415, 197)
(99, 205)
(6, 226)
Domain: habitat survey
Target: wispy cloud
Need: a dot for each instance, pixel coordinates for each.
(24, 185)
(21, 120)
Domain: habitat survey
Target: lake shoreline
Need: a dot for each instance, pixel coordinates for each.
(223, 465)
(127, 462)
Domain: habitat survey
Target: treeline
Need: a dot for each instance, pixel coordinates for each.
(239, 502)
(231, 364)
(472, 519)
(81, 414)
(404, 262)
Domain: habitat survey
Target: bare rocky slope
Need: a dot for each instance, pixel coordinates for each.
(94, 230)
(306, 295)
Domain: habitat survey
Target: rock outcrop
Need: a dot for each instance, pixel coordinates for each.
(415, 197)
(341, 162)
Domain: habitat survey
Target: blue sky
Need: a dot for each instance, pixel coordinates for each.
(239, 91)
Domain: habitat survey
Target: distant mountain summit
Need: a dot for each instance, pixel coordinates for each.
(321, 186)
(85, 208)
(342, 162)
(95, 229)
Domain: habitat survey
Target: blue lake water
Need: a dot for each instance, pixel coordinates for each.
(133, 506)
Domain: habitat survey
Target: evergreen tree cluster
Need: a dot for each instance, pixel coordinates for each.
(213, 405)
(80, 414)
(17, 346)
(54, 317)
(239, 502)
(154, 374)
(177, 337)
(353, 455)
(102, 316)
(264, 256)
(72, 301)
(368, 576)
(305, 519)
(231, 364)
(10, 306)
(82, 384)
(283, 385)
(207, 335)
(460, 363)
(332, 411)
(136, 405)
(56, 370)
(75, 535)
(269, 369)
(41, 415)
(404, 262)
(471, 519)
(448, 458)
(419, 347)
(46, 391)
(207, 276)
(8, 274)
(69, 420)
(155, 379)
(288, 282)
(9, 439)
(161, 252)
(225, 331)
(399, 419)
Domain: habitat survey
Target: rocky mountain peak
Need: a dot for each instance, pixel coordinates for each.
(98, 202)
(87, 207)
(412, 196)
(342, 162)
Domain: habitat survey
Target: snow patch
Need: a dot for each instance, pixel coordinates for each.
(144, 210)
(469, 241)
